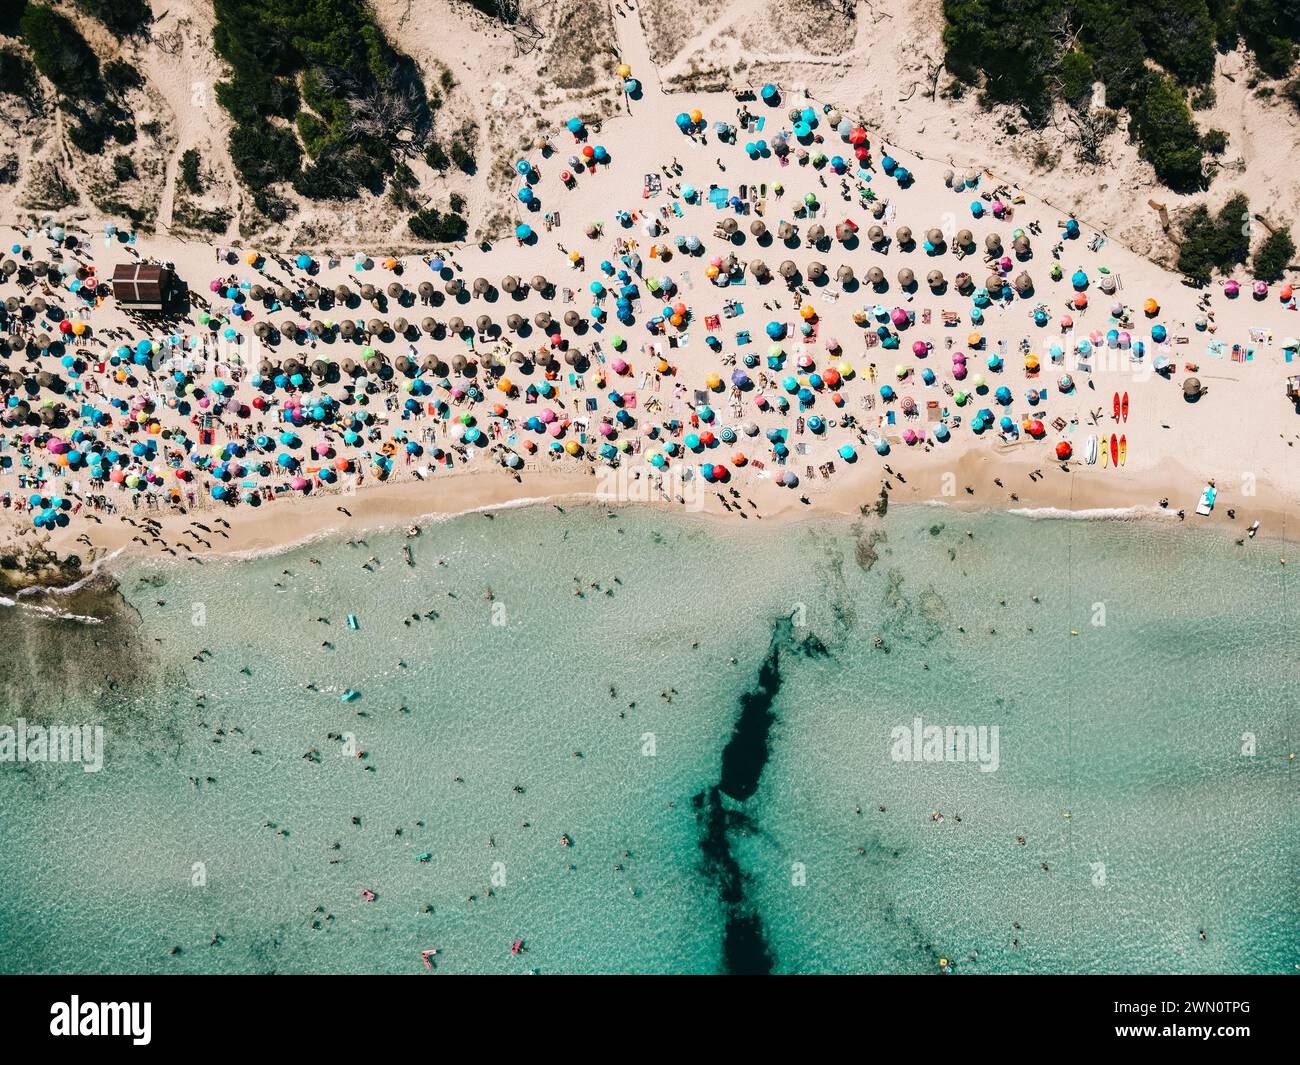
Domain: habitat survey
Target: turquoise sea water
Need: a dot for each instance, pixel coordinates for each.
(495, 727)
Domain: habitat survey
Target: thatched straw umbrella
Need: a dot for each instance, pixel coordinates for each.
(785, 231)
(758, 227)
(876, 236)
(347, 329)
(844, 274)
(758, 268)
(342, 293)
(729, 226)
(481, 286)
(257, 292)
(349, 367)
(404, 366)
(312, 292)
(376, 327)
(539, 283)
(1023, 282)
(317, 328)
(993, 244)
(844, 232)
(428, 325)
(426, 290)
(965, 238)
(396, 291)
(400, 326)
(289, 328)
(875, 276)
(510, 284)
(262, 330)
(515, 322)
(572, 318)
(789, 270)
(456, 326)
(903, 236)
(1191, 388)
(320, 367)
(542, 319)
(454, 287)
(483, 323)
(369, 292)
(816, 234)
(965, 284)
(993, 283)
(816, 271)
(906, 278)
(1021, 245)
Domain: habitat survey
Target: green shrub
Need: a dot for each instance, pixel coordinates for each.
(60, 52)
(435, 156)
(437, 227)
(1168, 137)
(1011, 50)
(123, 167)
(1274, 256)
(190, 170)
(1214, 141)
(360, 92)
(120, 76)
(123, 16)
(1215, 242)
(461, 156)
(16, 74)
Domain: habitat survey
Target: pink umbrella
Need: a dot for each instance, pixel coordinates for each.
(1004, 263)
(55, 446)
(620, 367)
(556, 429)
(548, 415)
(1067, 322)
(909, 436)
(606, 429)
(1261, 288)
(919, 347)
(1231, 288)
(299, 484)
(898, 316)
(959, 370)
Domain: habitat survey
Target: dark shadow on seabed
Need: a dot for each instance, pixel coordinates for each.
(719, 812)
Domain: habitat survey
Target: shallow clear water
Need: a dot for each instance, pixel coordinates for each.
(503, 724)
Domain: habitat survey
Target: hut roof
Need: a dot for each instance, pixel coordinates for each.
(142, 286)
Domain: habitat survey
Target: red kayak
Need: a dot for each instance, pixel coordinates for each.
(1117, 408)
(1124, 407)
(1114, 450)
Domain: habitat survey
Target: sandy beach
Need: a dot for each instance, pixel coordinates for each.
(486, 350)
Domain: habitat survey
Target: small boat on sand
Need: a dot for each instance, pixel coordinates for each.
(1206, 503)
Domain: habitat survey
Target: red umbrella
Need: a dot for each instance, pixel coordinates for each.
(1063, 450)
(857, 135)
